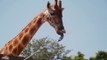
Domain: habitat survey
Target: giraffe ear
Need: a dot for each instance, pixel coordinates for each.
(48, 4)
(60, 4)
(55, 6)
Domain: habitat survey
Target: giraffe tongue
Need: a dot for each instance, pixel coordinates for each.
(61, 37)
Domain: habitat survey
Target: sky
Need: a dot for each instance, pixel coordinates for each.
(85, 22)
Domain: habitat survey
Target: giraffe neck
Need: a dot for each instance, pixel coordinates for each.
(17, 44)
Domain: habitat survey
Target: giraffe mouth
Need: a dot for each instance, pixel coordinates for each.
(61, 33)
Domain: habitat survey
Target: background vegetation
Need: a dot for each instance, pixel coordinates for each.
(48, 49)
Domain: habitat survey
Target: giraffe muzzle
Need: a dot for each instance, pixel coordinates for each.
(61, 33)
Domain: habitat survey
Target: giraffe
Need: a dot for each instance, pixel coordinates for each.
(52, 14)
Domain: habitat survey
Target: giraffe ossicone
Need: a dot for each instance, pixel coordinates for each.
(53, 15)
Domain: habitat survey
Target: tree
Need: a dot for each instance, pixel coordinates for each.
(66, 58)
(92, 58)
(100, 55)
(45, 49)
(79, 56)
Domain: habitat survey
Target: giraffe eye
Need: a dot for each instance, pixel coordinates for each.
(52, 13)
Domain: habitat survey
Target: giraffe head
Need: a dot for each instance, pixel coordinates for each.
(54, 17)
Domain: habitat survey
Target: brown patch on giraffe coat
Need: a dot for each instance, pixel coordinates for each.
(15, 42)
(15, 51)
(25, 39)
(20, 35)
(32, 30)
(26, 30)
(39, 22)
(36, 24)
(19, 48)
(10, 47)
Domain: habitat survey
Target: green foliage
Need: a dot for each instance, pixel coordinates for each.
(45, 49)
(66, 58)
(100, 55)
(48, 49)
(79, 56)
(92, 58)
